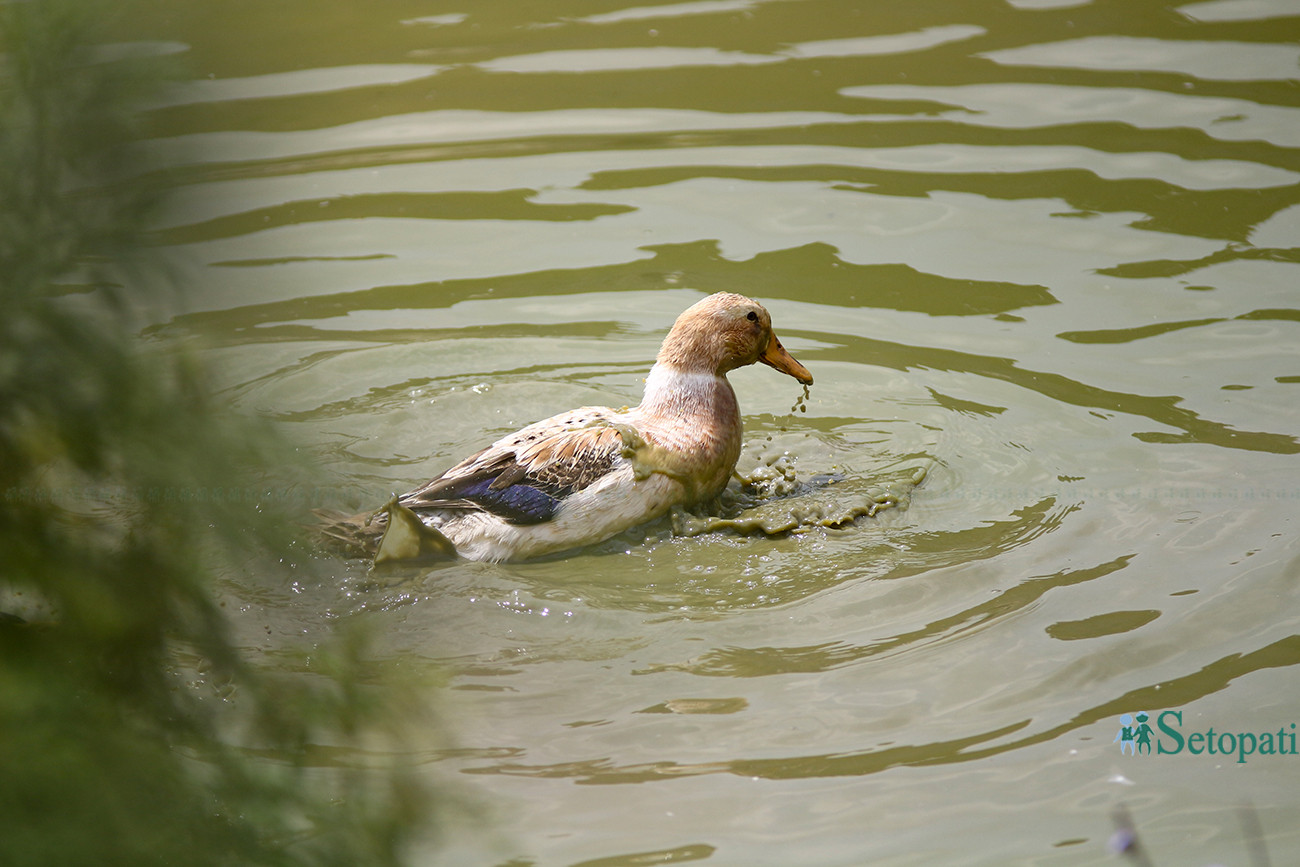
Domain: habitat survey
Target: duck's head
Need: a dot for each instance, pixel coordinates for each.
(723, 332)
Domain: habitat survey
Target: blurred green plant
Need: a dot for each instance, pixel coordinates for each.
(114, 745)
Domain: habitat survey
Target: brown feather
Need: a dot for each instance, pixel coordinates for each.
(509, 476)
(557, 463)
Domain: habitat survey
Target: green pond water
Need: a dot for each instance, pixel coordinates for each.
(1042, 251)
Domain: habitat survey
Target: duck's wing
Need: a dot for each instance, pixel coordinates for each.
(525, 477)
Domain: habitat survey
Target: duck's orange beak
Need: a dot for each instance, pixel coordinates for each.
(776, 356)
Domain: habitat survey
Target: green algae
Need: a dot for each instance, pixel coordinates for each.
(406, 538)
(829, 502)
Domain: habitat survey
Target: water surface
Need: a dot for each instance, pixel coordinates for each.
(1046, 250)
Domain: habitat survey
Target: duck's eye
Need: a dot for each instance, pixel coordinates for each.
(751, 316)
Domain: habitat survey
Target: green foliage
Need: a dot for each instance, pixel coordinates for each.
(115, 470)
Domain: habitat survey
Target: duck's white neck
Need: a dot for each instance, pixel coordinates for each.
(694, 416)
(678, 394)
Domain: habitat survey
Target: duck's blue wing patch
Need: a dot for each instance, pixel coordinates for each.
(525, 478)
(518, 503)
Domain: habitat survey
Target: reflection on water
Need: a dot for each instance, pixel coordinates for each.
(1044, 250)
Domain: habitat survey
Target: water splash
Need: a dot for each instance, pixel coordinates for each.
(801, 402)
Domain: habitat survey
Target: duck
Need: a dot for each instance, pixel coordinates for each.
(588, 474)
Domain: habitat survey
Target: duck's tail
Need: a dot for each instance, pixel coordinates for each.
(392, 534)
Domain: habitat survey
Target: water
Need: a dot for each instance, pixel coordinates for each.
(1043, 251)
